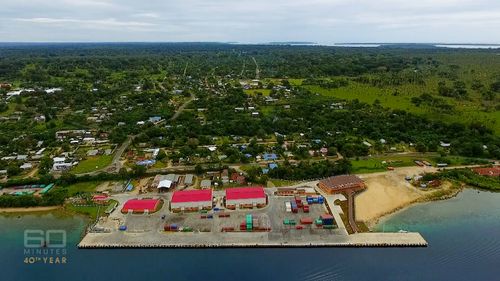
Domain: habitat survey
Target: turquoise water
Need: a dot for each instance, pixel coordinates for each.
(463, 235)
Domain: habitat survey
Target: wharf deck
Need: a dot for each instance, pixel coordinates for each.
(246, 240)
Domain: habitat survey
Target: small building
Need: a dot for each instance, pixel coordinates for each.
(343, 183)
(490, 172)
(205, 184)
(188, 179)
(164, 182)
(191, 200)
(26, 166)
(245, 197)
(238, 178)
(269, 156)
(100, 198)
(62, 166)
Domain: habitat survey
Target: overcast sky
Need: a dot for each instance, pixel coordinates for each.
(255, 21)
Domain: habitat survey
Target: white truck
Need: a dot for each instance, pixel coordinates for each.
(288, 207)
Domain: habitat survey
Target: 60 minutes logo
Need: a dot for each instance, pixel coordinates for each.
(37, 238)
(47, 247)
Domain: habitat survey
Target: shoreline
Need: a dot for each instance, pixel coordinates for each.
(371, 224)
(29, 209)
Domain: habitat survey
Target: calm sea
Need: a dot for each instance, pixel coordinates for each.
(463, 235)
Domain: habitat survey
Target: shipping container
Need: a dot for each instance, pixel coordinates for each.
(306, 220)
(318, 222)
(328, 226)
(210, 216)
(306, 208)
(224, 215)
(227, 229)
(321, 199)
(288, 207)
(299, 227)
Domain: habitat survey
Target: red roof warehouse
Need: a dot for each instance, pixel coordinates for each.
(141, 205)
(245, 193)
(191, 200)
(245, 197)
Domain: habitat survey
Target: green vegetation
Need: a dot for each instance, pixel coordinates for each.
(92, 164)
(80, 188)
(92, 211)
(52, 198)
(468, 177)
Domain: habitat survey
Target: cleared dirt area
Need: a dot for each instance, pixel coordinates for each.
(387, 192)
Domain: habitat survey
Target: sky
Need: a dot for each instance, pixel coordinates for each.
(255, 21)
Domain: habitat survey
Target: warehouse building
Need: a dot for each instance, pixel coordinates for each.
(339, 184)
(245, 197)
(191, 200)
(140, 206)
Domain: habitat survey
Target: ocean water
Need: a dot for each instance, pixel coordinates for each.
(463, 235)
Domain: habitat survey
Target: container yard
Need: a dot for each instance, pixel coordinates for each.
(285, 221)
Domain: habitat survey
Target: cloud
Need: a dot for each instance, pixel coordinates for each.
(89, 23)
(324, 21)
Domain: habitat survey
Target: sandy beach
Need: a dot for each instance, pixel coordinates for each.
(388, 192)
(30, 209)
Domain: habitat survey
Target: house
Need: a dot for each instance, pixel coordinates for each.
(269, 156)
(444, 144)
(40, 118)
(62, 166)
(491, 172)
(238, 178)
(205, 184)
(188, 179)
(22, 157)
(26, 166)
(273, 166)
(92, 152)
(154, 119)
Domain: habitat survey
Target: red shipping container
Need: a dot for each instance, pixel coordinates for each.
(306, 220)
(299, 227)
(306, 208)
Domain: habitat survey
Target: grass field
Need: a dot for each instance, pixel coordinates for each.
(81, 187)
(374, 164)
(280, 183)
(92, 164)
(466, 111)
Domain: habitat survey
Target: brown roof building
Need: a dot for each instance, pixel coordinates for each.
(339, 184)
(492, 172)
